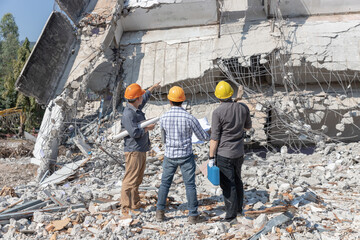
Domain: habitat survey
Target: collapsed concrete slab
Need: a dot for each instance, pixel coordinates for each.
(74, 9)
(42, 71)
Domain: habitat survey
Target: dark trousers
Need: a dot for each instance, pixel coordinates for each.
(231, 184)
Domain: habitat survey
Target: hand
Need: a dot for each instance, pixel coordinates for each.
(251, 131)
(150, 127)
(155, 86)
(211, 162)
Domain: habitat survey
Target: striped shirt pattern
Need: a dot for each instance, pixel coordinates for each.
(179, 125)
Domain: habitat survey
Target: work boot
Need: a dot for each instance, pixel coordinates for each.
(196, 219)
(138, 206)
(125, 211)
(160, 215)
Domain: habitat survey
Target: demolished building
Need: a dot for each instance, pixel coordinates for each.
(293, 62)
(296, 60)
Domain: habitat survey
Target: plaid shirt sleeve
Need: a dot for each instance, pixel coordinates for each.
(198, 130)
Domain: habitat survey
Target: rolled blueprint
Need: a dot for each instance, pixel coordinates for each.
(144, 124)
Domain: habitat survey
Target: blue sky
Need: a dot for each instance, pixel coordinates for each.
(30, 15)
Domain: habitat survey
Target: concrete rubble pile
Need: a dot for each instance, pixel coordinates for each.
(287, 196)
(291, 62)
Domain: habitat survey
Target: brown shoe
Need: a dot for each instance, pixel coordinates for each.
(196, 219)
(125, 211)
(138, 206)
(160, 215)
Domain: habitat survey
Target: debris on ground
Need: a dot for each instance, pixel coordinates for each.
(299, 197)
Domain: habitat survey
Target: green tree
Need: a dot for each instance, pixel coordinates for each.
(12, 60)
(8, 26)
(33, 111)
(9, 45)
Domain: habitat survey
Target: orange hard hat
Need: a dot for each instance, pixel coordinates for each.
(134, 91)
(176, 94)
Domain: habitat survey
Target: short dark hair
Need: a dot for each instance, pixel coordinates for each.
(132, 100)
(226, 100)
(177, 104)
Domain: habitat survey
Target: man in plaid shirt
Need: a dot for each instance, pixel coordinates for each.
(177, 126)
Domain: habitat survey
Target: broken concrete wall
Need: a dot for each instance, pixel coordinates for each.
(266, 56)
(40, 75)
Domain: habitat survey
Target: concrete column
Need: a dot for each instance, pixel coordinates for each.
(48, 140)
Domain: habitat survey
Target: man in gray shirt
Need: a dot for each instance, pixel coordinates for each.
(135, 145)
(229, 121)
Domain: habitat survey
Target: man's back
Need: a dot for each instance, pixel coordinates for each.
(179, 125)
(228, 123)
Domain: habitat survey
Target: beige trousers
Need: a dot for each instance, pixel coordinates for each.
(135, 163)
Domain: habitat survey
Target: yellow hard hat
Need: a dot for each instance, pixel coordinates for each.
(223, 90)
(176, 94)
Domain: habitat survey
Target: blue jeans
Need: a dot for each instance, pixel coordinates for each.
(187, 166)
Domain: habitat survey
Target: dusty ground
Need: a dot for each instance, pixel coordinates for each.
(13, 174)
(15, 169)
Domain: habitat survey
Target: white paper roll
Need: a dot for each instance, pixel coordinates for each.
(125, 133)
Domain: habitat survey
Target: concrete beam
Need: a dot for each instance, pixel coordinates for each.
(145, 15)
(42, 71)
(310, 7)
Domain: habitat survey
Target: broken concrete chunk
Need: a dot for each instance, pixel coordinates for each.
(316, 117)
(285, 187)
(340, 127)
(41, 217)
(260, 221)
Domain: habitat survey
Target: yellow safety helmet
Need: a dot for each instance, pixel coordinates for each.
(223, 90)
(176, 94)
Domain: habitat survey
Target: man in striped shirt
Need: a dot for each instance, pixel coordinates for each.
(177, 126)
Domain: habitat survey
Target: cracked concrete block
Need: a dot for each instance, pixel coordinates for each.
(283, 150)
(340, 127)
(41, 217)
(348, 120)
(285, 187)
(260, 221)
(75, 84)
(107, 206)
(316, 117)
(324, 128)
